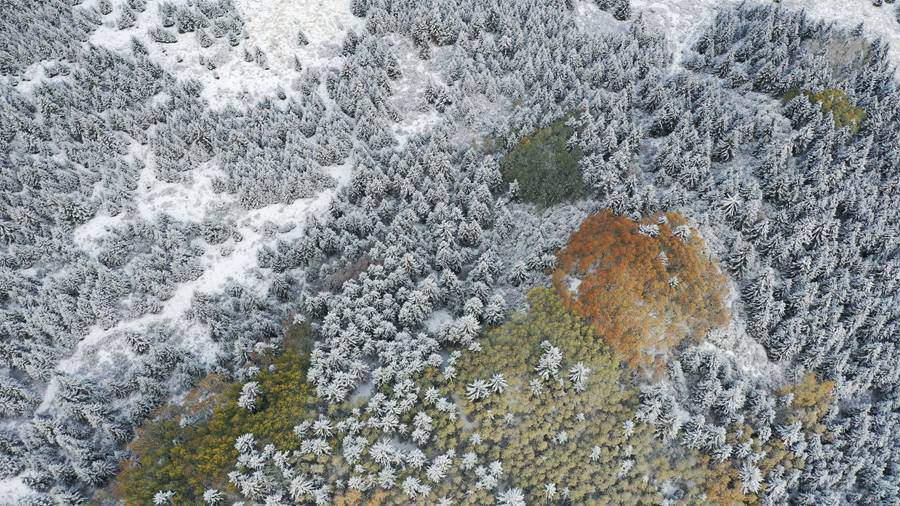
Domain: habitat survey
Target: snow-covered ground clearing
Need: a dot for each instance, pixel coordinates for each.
(679, 20)
(231, 261)
(271, 26)
(477, 112)
(186, 202)
(589, 17)
(12, 491)
(409, 90)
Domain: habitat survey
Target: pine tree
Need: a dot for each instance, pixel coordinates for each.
(126, 18)
(359, 8)
(622, 9)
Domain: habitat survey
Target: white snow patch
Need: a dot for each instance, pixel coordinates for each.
(589, 17)
(273, 26)
(573, 283)
(34, 75)
(680, 20)
(409, 90)
(341, 173)
(89, 235)
(13, 491)
(473, 117)
(416, 123)
(270, 25)
(747, 354)
(438, 320)
(191, 201)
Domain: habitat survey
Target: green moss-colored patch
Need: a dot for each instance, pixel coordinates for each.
(189, 459)
(546, 169)
(835, 101)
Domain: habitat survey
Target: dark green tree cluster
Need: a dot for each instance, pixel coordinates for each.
(544, 167)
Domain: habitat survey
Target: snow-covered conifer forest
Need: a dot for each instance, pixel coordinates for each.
(449, 252)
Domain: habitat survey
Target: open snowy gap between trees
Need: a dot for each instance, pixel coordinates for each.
(271, 25)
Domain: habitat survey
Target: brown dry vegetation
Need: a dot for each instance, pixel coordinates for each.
(625, 288)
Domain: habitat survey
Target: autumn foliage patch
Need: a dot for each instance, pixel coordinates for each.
(645, 286)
